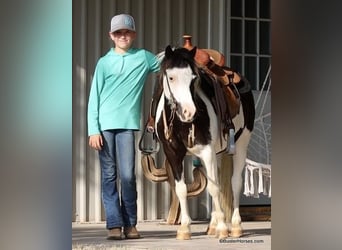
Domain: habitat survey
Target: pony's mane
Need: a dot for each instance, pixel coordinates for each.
(177, 58)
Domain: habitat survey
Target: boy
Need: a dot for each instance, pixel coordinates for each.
(113, 115)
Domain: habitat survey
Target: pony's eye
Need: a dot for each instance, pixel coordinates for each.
(171, 78)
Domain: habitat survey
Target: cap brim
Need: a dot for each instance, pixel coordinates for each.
(121, 28)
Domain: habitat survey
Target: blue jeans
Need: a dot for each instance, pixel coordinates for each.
(117, 159)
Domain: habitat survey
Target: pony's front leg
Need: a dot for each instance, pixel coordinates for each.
(175, 153)
(184, 232)
(217, 224)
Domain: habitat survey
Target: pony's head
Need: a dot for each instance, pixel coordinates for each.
(178, 75)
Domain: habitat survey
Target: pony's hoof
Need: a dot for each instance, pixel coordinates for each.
(183, 236)
(236, 232)
(223, 234)
(211, 230)
(183, 233)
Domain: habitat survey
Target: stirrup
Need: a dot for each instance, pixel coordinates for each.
(231, 145)
(149, 143)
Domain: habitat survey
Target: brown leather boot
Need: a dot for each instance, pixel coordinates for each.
(114, 234)
(131, 233)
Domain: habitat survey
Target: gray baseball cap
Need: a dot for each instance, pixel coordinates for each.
(122, 21)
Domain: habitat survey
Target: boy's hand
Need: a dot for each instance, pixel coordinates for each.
(95, 141)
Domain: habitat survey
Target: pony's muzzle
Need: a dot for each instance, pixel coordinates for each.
(186, 114)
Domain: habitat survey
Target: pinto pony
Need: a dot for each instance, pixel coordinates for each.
(186, 122)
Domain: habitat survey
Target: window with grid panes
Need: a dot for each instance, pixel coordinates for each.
(250, 46)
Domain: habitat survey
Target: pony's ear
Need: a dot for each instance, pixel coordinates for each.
(193, 52)
(168, 51)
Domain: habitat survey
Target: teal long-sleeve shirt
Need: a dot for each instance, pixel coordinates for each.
(116, 90)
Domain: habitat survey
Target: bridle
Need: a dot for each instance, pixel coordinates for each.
(174, 106)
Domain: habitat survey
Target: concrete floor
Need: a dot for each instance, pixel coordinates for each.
(159, 235)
